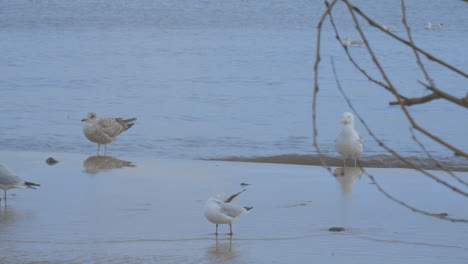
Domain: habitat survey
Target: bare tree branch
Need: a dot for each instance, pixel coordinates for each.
(390, 150)
(418, 100)
(429, 56)
(351, 59)
(415, 125)
(401, 100)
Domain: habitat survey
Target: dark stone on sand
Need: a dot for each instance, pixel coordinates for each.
(51, 161)
(336, 229)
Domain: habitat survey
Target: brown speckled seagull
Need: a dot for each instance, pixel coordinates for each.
(104, 130)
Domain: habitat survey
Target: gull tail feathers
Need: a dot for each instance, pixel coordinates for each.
(248, 208)
(129, 120)
(31, 184)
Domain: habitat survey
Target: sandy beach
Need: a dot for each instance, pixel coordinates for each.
(153, 213)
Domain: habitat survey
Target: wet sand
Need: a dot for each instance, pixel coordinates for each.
(151, 211)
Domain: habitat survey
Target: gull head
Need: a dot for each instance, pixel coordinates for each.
(347, 118)
(89, 116)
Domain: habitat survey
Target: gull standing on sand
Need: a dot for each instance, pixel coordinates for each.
(104, 130)
(429, 25)
(352, 43)
(348, 142)
(220, 210)
(10, 181)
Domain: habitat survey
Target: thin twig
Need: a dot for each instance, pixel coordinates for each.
(440, 165)
(413, 45)
(316, 85)
(414, 209)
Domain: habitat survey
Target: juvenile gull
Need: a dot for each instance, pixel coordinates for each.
(220, 210)
(348, 142)
(10, 181)
(352, 43)
(104, 130)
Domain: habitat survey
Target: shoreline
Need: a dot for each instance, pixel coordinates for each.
(376, 161)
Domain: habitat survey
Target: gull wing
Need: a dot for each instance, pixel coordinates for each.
(232, 210)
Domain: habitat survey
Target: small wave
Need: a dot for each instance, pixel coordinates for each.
(373, 161)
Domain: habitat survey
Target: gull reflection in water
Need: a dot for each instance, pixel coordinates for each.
(97, 164)
(7, 214)
(222, 251)
(346, 177)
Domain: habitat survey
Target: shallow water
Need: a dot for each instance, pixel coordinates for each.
(154, 213)
(213, 79)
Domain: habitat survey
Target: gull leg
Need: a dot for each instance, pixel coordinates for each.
(98, 146)
(344, 163)
(230, 229)
(5, 194)
(105, 149)
(355, 160)
(216, 229)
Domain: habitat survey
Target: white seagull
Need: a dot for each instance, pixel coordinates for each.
(220, 210)
(10, 181)
(104, 130)
(348, 142)
(352, 43)
(389, 28)
(429, 25)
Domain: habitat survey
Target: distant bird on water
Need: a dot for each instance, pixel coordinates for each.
(389, 28)
(220, 210)
(352, 43)
(348, 142)
(429, 25)
(10, 181)
(104, 130)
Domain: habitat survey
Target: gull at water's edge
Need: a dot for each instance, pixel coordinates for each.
(348, 142)
(104, 130)
(220, 210)
(10, 181)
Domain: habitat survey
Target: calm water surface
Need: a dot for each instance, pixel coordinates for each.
(214, 79)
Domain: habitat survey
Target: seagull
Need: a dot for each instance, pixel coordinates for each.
(352, 43)
(389, 28)
(429, 25)
(220, 210)
(104, 130)
(10, 181)
(348, 142)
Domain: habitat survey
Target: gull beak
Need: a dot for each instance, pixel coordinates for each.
(343, 121)
(84, 119)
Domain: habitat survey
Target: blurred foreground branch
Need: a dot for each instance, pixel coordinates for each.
(401, 100)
